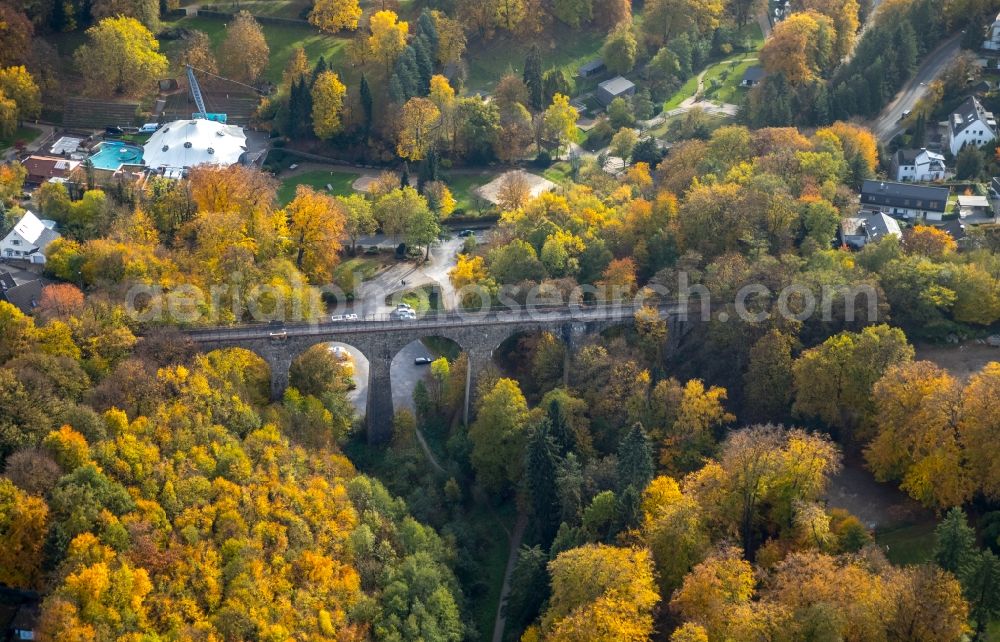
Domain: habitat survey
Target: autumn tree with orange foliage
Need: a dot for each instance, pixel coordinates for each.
(928, 241)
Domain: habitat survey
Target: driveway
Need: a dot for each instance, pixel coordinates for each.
(887, 125)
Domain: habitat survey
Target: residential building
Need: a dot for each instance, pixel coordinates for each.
(970, 124)
(905, 200)
(25, 296)
(43, 168)
(28, 240)
(867, 227)
(617, 87)
(917, 165)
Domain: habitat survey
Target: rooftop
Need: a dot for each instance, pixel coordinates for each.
(904, 190)
(187, 143)
(617, 85)
(909, 156)
(969, 112)
(755, 73)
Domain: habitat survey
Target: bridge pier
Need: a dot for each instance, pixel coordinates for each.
(379, 413)
(280, 362)
(477, 360)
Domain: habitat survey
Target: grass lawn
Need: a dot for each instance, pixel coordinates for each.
(421, 299)
(715, 69)
(21, 135)
(294, 9)
(729, 75)
(281, 39)
(909, 544)
(365, 266)
(559, 172)
(318, 179)
(489, 60)
(463, 188)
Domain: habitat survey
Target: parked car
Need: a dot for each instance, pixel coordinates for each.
(466, 233)
(373, 249)
(112, 130)
(149, 128)
(422, 361)
(404, 306)
(344, 317)
(403, 315)
(906, 114)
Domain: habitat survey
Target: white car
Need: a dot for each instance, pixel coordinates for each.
(344, 317)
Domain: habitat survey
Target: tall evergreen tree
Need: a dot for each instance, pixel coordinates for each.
(540, 480)
(529, 587)
(555, 82)
(318, 69)
(366, 103)
(919, 138)
(569, 486)
(429, 168)
(955, 542)
(635, 459)
(559, 429)
(427, 29)
(533, 78)
(424, 62)
(982, 589)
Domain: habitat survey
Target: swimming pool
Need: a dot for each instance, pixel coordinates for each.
(111, 155)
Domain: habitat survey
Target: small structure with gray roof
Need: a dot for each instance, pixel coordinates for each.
(752, 76)
(905, 200)
(591, 68)
(617, 87)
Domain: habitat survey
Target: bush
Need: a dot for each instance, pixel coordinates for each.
(543, 160)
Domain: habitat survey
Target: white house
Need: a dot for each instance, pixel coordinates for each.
(917, 165)
(28, 240)
(992, 42)
(970, 124)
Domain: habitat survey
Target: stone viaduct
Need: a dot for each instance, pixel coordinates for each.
(478, 335)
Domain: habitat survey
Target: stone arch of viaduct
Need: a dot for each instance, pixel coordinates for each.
(379, 342)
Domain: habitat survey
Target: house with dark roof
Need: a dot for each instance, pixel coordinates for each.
(871, 227)
(28, 240)
(617, 87)
(970, 124)
(917, 165)
(591, 68)
(43, 168)
(25, 297)
(752, 76)
(905, 200)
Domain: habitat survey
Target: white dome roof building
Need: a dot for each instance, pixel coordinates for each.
(182, 144)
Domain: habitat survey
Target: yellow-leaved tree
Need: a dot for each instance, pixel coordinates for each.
(560, 120)
(316, 225)
(418, 125)
(17, 84)
(601, 593)
(388, 37)
(120, 56)
(328, 103)
(332, 16)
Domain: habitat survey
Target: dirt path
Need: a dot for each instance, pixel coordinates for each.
(427, 451)
(877, 505)
(515, 546)
(963, 360)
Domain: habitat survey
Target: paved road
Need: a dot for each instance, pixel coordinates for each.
(405, 374)
(371, 295)
(887, 125)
